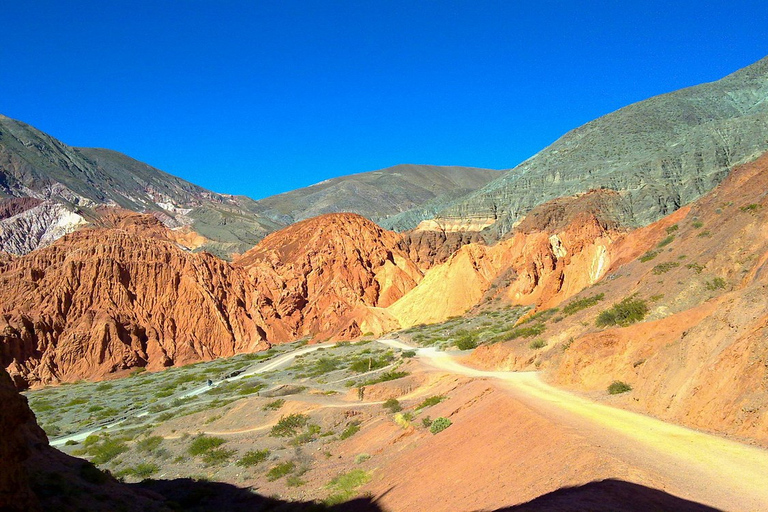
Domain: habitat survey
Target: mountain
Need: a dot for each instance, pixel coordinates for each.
(387, 196)
(660, 154)
(70, 182)
(49, 189)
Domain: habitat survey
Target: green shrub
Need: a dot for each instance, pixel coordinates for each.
(537, 344)
(289, 425)
(253, 457)
(274, 405)
(426, 421)
(149, 444)
(104, 450)
(648, 256)
(439, 424)
(408, 354)
(384, 377)
(467, 341)
(671, 229)
(717, 283)
(628, 311)
(202, 444)
(704, 234)
(294, 481)
(352, 429)
(142, 470)
(617, 387)
(217, 457)
(663, 268)
(430, 401)
(697, 224)
(579, 304)
(695, 267)
(750, 207)
(392, 405)
(666, 241)
(280, 470)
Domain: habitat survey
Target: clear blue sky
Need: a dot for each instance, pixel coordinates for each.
(257, 97)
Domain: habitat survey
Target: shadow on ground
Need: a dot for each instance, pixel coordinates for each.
(202, 496)
(608, 496)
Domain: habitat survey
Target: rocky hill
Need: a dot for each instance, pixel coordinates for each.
(101, 301)
(660, 153)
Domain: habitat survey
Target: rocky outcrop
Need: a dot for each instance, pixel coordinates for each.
(562, 249)
(101, 301)
(428, 248)
(336, 266)
(661, 154)
(37, 227)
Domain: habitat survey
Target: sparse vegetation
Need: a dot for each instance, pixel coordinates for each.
(103, 449)
(628, 311)
(426, 421)
(697, 224)
(617, 387)
(280, 470)
(467, 341)
(537, 344)
(392, 405)
(718, 283)
(252, 458)
(430, 401)
(753, 207)
(579, 304)
(439, 424)
(663, 268)
(352, 429)
(217, 457)
(142, 470)
(648, 256)
(671, 229)
(344, 485)
(666, 241)
(149, 444)
(202, 444)
(289, 425)
(408, 354)
(384, 377)
(695, 267)
(274, 405)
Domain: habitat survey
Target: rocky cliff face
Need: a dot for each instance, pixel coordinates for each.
(332, 267)
(661, 153)
(100, 301)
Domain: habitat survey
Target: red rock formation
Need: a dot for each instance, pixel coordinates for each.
(100, 301)
(326, 273)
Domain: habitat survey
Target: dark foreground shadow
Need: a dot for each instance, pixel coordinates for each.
(608, 496)
(201, 496)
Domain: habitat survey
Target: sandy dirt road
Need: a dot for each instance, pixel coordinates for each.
(698, 466)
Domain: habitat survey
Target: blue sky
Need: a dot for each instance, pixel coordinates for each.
(256, 97)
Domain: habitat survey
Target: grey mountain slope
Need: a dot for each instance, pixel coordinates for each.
(376, 195)
(660, 153)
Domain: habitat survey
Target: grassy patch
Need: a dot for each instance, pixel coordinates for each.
(671, 229)
(344, 485)
(274, 405)
(149, 444)
(628, 311)
(217, 457)
(141, 470)
(103, 449)
(537, 344)
(695, 267)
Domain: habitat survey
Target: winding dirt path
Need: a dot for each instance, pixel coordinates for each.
(696, 465)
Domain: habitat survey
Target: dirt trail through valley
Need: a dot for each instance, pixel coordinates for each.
(695, 465)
